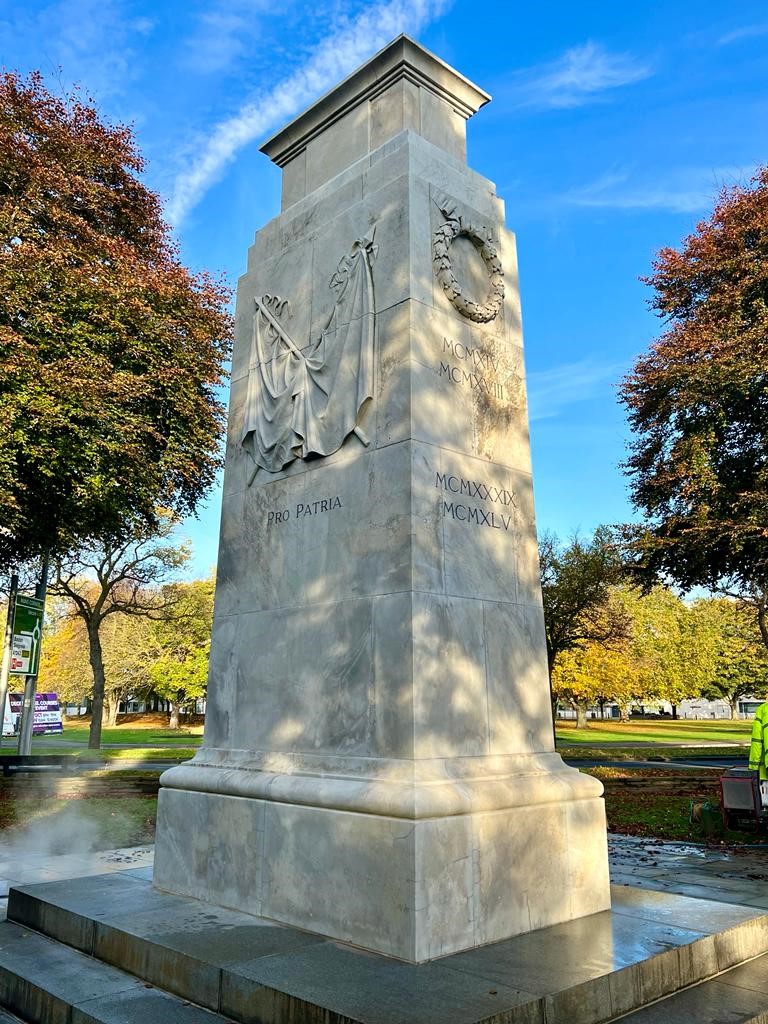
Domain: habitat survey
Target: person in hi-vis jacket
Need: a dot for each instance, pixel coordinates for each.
(758, 749)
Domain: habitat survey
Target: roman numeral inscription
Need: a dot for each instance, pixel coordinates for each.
(479, 371)
(472, 515)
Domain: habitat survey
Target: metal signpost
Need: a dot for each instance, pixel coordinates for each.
(5, 667)
(25, 659)
(27, 630)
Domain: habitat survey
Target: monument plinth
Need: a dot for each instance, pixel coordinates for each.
(378, 763)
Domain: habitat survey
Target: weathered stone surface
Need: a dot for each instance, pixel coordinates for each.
(589, 970)
(378, 763)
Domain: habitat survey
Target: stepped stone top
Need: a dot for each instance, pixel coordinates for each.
(403, 86)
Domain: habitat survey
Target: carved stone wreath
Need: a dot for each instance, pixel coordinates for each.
(456, 226)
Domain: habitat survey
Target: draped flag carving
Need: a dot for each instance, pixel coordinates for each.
(305, 399)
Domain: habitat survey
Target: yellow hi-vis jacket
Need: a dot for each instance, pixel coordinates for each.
(758, 750)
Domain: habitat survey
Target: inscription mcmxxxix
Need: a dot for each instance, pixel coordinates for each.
(473, 514)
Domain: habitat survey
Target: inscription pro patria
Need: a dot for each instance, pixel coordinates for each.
(304, 509)
(378, 763)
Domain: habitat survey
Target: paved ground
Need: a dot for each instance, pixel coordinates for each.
(728, 876)
(19, 867)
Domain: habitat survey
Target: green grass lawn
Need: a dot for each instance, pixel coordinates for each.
(664, 732)
(151, 737)
(147, 744)
(590, 752)
(170, 754)
(665, 814)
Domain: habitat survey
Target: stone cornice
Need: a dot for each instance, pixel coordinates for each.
(403, 58)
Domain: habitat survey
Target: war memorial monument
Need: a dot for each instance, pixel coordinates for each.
(377, 828)
(378, 763)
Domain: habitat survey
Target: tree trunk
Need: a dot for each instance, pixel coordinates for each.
(553, 699)
(173, 721)
(624, 710)
(674, 712)
(581, 716)
(96, 659)
(762, 620)
(112, 706)
(734, 705)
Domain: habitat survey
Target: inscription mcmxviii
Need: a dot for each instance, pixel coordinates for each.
(482, 371)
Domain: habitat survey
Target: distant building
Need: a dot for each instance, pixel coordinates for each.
(698, 708)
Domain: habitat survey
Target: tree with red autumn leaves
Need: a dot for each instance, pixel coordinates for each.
(698, 406)
(111, 352)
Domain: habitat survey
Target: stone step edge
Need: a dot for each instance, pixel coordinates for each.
(555, 1006)
(761, 1018)
(34, 1000)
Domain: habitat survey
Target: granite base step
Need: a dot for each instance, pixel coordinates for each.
(46, 982)
(739, 996)
(589, 971)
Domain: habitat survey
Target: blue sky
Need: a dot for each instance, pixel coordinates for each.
(611, 130)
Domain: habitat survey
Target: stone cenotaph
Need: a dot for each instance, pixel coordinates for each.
(378, 763)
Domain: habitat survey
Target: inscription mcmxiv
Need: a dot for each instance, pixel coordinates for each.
(472, 514)
(478, 372)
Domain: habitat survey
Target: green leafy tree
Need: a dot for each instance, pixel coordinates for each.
(111, 352)
(127, 646)
(179, 671)
(667, 645)
(576, 582)
(64, 667)
(738, 661)
(126, 641)
(117, 578)
(594, 673)
(698, 405)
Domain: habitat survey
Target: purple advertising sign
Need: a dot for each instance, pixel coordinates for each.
(47, 716)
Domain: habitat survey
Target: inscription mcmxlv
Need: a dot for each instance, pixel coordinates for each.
(304, 509)
(479, 370)
(473, 514)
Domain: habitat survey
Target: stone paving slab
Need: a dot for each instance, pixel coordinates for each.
(696, 892)
(353, 985)
(18, 866)
(583, 972)
(729, 875)
(660, 869)
(704, 873)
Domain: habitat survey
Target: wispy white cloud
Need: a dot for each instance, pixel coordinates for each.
(747, 32)
(581, 75)
(690, 190)
(225, 31)
(551, 391)
(88, 42)
(336, 56)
